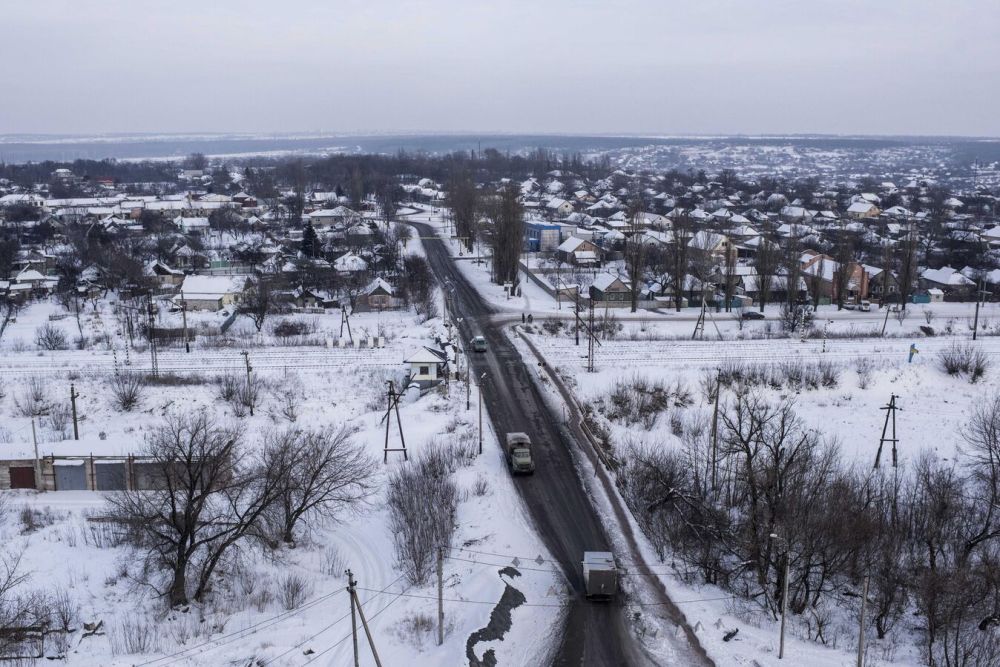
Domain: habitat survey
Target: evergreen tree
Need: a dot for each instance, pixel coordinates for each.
(310, 242)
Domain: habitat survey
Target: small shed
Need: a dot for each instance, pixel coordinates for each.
(427, 367)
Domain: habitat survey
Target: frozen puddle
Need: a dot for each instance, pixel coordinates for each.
(500, 621)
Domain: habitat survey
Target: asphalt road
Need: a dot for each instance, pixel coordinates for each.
(594, 633)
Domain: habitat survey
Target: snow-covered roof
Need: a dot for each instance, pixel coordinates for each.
(946, 276)
(211, 287)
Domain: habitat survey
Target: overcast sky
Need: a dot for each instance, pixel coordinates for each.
(568, 66)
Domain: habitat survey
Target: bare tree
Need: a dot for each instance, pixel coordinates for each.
(464, 202)
(766, 264)
(207, 496)
(257, 303)
(635, 256)
(906, 262)
(842, 274)
(324, 473)
(507, 217)
(677, 258)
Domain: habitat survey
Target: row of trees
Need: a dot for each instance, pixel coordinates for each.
(772, 490)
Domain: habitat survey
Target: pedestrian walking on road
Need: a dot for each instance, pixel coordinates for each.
(913, 351)
(522, 318)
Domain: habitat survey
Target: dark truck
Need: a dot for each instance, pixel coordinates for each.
(518, 452)
(600, 575)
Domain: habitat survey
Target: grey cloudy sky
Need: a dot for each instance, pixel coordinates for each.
(636, 66)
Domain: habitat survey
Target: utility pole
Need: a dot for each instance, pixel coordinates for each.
(72, 400)
(354, 621)
(368, 633)
(590, 340)
(481, 412)
(154, 365)
(784, 592)
(246, 357)
(861, 625)
(890, 413)
(784, 605)
(981, 294)
(715, 432)
(886, 320)
(468, 385)
(393, 404)
(39, 484)
(577, 313)
(184, 318)
(440, 573)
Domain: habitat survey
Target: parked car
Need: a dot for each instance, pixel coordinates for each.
(479, 344)
(866, 306)
(753, 315)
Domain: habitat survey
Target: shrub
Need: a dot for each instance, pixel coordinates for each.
(964, 359)
(287, 328)
(422, 499)
(33, 399)
(293, 590)
(50, 337)
(127, 389)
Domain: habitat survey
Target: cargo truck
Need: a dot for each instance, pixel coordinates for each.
(518, 452)
(600, 575)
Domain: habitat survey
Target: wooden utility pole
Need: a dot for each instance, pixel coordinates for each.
(246, 358)
(981, 294)
(184, 319)
(890, 414)
(354, 621)
(440, 573)
(393, 404)
(345, 319)
(861, 625)
(72, 401)
(368, 633)
(39, 483)
(715, 432)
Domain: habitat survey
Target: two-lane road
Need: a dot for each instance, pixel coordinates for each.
(594, 634)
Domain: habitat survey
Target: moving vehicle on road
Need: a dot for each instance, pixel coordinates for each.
(753, 315)
(600, 575)
(479, 344)
(518, 452)
(866, 306)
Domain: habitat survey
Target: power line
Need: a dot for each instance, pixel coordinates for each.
(538, 604)
(265, 622)
(311, 637)
(346, 637)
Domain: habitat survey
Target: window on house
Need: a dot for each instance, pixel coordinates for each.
(425, 370)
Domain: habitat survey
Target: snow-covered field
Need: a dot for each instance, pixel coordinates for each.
(63, 551)
(934, 408)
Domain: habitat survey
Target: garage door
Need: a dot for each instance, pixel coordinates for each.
(70, 476)
(148, 476)
(22, 477)
(110, 476)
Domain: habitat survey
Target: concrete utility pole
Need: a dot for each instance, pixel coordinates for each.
(72, 400)
(440, 573)
(481, 412)
(784, 593)
(890, 414)
(246, 358)
(861, 625)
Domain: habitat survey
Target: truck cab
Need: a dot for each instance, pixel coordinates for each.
(518, 452)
